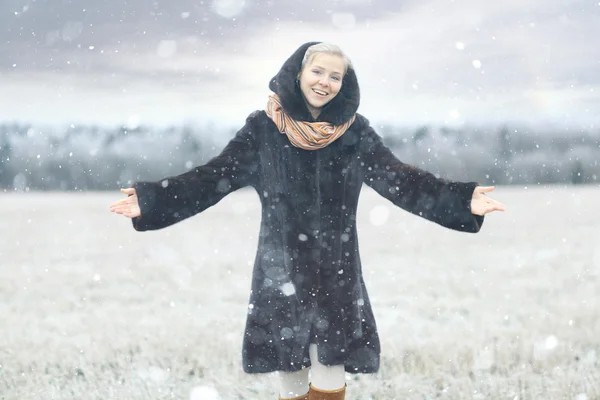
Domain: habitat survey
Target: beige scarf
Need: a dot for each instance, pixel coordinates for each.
(303, 134)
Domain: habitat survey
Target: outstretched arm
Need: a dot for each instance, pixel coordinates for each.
(176, 198)
(439, 200)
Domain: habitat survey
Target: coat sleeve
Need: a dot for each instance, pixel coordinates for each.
(176, 198)
(439, 200)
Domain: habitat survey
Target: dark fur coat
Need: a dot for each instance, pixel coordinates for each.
(307, 283)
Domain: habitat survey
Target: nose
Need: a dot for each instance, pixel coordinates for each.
(323, 82)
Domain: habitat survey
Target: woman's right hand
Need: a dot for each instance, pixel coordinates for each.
(128, 206)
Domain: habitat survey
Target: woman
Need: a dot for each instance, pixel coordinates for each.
(307, 156)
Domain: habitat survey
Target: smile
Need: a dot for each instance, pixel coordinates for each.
(320, 92)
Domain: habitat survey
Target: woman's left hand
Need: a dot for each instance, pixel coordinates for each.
(482, 204)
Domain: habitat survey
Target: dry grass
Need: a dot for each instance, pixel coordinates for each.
(91, 309)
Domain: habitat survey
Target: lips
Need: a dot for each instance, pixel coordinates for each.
(320, 93)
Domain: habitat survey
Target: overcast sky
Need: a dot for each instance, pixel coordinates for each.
(417, 61)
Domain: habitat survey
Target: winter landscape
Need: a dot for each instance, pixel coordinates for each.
(92, 309)
(96, 95)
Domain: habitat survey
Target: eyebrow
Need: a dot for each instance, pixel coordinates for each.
(318, 66)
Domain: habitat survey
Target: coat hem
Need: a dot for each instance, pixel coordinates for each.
(347, 368)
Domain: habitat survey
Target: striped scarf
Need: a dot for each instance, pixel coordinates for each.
(303, 134)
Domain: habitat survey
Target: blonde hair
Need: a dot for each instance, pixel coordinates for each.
(324, 48)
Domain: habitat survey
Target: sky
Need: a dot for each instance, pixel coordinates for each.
(419, 62)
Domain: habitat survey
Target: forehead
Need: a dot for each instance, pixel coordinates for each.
(330, 62)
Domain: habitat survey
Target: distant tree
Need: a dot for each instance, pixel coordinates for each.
(5, 154)
(393, 138)
(421, 134)
(188, 141)
(577, 173)
(504, 145)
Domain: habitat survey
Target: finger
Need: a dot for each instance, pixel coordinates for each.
(117, 210)
(118, 203)
(126, 200)
(497, 203)
(121, 209)
(485, 188)
(128, 190)
(115, 204)
(494, 208)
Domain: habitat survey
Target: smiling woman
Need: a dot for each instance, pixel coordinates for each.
(320, 78)
(307, 156)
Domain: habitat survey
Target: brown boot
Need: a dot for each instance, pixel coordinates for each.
(319, 394)
(303, 397)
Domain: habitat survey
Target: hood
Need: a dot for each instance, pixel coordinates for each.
(337, 111)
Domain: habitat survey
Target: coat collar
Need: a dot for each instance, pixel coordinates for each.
(337, 111)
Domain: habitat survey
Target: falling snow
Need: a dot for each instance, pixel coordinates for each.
(204, 393)
(228, 8)
(166, 48)
(343, 20)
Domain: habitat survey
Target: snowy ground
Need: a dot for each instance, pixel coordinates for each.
(91, 309)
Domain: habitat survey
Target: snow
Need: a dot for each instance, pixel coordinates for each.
(439, 298)
(286, 333)
(166, 48)
(544, 349)
(20, 182)
(228, 8)
(71, 30)
(204, 393)
(182, 276)
(153, 374)
(343, 20)
(484, 359)
(551, 342)
(133, 122)
(379, 215)
(288, 289)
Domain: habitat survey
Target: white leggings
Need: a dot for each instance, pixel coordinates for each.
(294, 384)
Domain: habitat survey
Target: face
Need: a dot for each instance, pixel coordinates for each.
(321, 81)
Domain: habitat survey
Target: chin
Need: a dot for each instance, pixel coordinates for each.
(320, 104)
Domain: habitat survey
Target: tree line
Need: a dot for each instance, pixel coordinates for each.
(80, 158)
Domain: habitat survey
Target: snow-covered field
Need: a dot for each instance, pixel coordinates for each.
(91, 309)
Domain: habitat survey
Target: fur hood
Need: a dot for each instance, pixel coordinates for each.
(337, 111)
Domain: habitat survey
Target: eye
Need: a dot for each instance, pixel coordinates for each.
(316, 71)
(336, 78)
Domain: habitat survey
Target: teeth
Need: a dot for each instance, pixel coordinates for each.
(319, 92)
